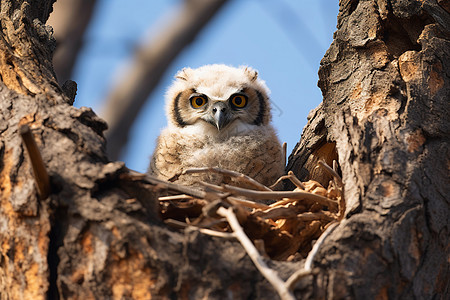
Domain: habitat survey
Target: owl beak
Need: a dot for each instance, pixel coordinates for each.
(221, 115)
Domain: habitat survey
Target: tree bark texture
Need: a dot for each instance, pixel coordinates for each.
(384, 116)
(385, 86)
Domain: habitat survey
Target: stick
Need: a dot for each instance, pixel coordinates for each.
(247, 203)
(284, 149)
(294, 278)
(332, 172)
(178, 224)
(310, 216)
(267, 272)
(315, 248)
(196, 193)
(176, 197)
(234, 200)
(237, 175)
(292, 178)
(338, 181)
(276, 213)
(295, 180)
(299, 195)
(39, 171)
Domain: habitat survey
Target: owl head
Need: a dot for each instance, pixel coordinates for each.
(218, 99)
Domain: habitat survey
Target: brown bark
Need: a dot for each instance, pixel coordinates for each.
(385, 116)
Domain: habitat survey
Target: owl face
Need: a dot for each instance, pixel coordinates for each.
(218, 100)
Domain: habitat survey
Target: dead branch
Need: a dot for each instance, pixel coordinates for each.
(309, 216)
(298, 195)
(332, 172)
(267, 272)
(294, 278)
(277, 213)
(292, 178)
(129, 94)
(239, 176)
(69, 20)
(181, 225)
(175, 197)
(39, 170)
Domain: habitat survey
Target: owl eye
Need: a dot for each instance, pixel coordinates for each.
(198, 101)
(238, 101)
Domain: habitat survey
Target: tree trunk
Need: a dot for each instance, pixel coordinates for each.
(385, 113)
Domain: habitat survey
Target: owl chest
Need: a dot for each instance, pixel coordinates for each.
(228, 155)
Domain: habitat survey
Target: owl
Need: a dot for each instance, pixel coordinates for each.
(218, 116)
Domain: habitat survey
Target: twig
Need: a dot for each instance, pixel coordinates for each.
(206, 231)
(295, 180)
(284, 149)
(315, 248)
(241, 177)
(176, 197)
(309, 259)
(211, 186)
(234, 200)
(39, 170)
(267, 272)
(276, 213)
(196, 193)
(332, 172)
(298, 195)
(283, 202)
(292, 178)
(335, 165)
(310, 216)
(247, 203)
(338, 181)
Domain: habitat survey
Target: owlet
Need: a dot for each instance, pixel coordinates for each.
(218, 116)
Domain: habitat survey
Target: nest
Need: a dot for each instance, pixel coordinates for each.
(283, 225)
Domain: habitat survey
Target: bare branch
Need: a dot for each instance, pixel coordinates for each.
(69, 19)
(239, 176)
(39, 170)
(310, 216)
(129, 94)
(297, 195)
(332, 172)
(178, 224)
(247, 203)
(277, 213)
(175, 197)
(294, 278)
(291, 176)
(267, 272)
(315, 249)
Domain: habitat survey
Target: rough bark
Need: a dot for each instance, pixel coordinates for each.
(385, 116)
(385, 86)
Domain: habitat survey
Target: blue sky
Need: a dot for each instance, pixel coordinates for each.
(283, 39)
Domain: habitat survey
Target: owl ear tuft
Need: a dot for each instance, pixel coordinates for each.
(251, 74)
(183, 74)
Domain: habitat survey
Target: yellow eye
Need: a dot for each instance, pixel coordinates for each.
(239, 101)
(198, 101)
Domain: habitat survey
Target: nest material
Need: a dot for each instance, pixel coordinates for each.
(283, 225)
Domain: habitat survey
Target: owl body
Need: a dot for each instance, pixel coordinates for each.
(218, 116)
